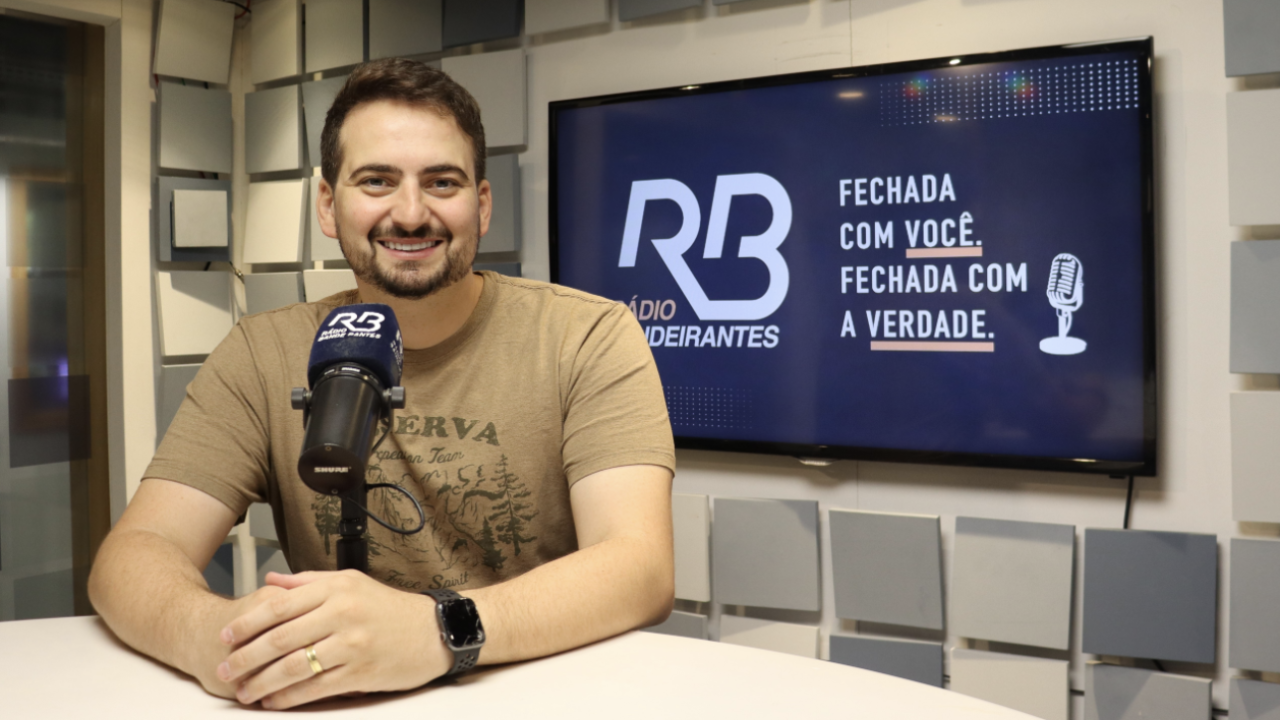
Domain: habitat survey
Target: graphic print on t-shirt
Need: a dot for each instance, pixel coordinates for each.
(479, 511)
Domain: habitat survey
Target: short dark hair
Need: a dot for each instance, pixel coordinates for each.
(406, 81)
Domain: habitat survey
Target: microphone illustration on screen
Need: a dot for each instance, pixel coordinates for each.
(1066, 295)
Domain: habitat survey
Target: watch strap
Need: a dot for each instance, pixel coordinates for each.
(463, 660)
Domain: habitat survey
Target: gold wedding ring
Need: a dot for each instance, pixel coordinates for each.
(316, 667)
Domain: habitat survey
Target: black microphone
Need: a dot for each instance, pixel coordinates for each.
(354, 376)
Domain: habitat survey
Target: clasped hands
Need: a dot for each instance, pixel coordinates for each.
(368, 637)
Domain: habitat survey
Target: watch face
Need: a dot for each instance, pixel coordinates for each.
(460, 623)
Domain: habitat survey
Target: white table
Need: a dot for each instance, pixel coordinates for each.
(75, 668)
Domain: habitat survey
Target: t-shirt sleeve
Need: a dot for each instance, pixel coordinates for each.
(615, 413)
(218, 441)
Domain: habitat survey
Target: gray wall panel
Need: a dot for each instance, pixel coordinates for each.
(1032, 685)
(273, 130)
(1150, 594)
(1254, 700)
(173, 390)
(398, 28)
(164, 220)
(193, 40)
(503, 172)
(268, 291)
(334, 31)
(765, 553)
(541, 16)
(508, 269)
(1124, 693)
(910, 659)
(1255, 295)
(887, 568)
(682, 624)
(1255, 597)
(320, 246)
(275, 40)
(1251, 28)
(1255, 456)
(1011, 581)
(635, 9)
(317, 97)
(1253, 157)
(475, 21)
(195, 128)
(497, 81)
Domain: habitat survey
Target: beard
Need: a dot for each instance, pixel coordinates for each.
(408, 279)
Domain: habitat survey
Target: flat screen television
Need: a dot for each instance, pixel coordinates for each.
(944, 261)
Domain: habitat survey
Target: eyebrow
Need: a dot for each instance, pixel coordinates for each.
(392, 170)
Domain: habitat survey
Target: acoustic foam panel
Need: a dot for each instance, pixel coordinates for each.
(541, 16)
(399, 28)
(220, 573)
(1253, 156)
(48, 420)
(792, 639)
(1255, 457)
(508, 269)
(193, 40)
(273, 230)
(1254, 700)
(887, 567)
(503, 172)
(1035, 686)
(497, 81)
(910, 659)
(1011, 581)
(1150, 594)
(262, 524)
(320, 284)
(334, 32)
(195, 128)
(273, 130)
(275, 41)
(476, 21)
(317, 97)
(200, 218)
(765, 553)
(1251, 27)
(167, 185)
(682, 624)
(635, 9)
(195, 311)
(174, 380)
(1255, 595)
(1255, 293)
(322, 247)
(691, 522)
(1124, 693)
(268, 291)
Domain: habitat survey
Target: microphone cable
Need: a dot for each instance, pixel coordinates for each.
(422, 515)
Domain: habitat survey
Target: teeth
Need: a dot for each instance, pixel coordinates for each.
(411, 248)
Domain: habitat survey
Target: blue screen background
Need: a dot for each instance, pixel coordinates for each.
(1045, 155)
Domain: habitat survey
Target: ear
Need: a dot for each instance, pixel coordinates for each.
(485, 196)
(324, 209)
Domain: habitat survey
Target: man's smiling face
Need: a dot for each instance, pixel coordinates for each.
(406, 207)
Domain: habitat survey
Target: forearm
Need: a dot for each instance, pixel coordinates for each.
(154, 599)
(609, 588)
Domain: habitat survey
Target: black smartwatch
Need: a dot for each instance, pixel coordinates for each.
(460, 628)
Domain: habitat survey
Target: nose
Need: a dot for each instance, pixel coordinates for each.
(409, 211)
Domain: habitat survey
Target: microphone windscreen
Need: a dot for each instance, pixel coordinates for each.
(366, 335)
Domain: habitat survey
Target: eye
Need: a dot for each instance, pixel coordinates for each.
(444, 183)
(375, 183)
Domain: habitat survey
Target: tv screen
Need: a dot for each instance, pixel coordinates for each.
(942, 261)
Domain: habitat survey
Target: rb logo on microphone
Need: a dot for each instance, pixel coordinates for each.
(763, 247)
(352, 322)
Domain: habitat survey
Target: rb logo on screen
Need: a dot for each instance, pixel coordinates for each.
(763, 247)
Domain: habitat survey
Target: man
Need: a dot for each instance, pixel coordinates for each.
(535, 438)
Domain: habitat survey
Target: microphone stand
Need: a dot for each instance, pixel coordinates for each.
(353, 549)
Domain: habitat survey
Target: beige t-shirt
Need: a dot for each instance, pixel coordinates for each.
(542, 386)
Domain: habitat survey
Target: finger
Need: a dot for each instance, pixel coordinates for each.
(275, 644)
(278, 609)
(330, 683)
(291, 669)
(289, 582)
